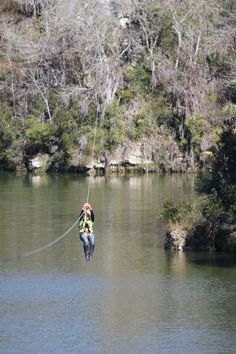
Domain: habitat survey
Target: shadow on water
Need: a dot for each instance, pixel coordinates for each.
(224, 260)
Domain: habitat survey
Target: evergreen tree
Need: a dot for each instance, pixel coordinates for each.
(221, 182)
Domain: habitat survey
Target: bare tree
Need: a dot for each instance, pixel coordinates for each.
(77, 30)
(92, 36)
(150, 16)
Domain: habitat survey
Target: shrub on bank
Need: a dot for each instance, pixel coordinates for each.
(42, 134)
(213, 220)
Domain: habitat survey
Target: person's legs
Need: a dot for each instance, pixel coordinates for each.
(92, 244)
(85, 241)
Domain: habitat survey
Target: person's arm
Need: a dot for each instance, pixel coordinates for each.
(92, 216)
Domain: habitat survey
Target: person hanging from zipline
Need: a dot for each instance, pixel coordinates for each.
(86, 233)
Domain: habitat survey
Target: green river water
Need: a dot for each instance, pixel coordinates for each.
(133, 298)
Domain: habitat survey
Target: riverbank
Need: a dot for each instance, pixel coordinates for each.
(157, 154)
(207, 236)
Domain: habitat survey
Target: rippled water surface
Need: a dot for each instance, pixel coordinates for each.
(134, 297)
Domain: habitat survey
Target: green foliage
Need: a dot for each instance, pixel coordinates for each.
(229, 108)
(211, 206)
(167, 35)
(170, 212)
(42, 134)
(143, 77)
(165, 107)
(114, 126)
(129, 73)
(186, 214)
(232, 92)
(140, 126)
(14, 153)
(64, 116)
(125, 94)
(211, 97)
(138, 77)
(154, 11)
(159, 108)
(39, 108)
(173, 212)
(65, 119)
(214, 59)
(86, 143)
(59, 159)
(218, 63)
(67, 143)
(229, 6)
(6, 113)
(197, 126)
(8, 127)
(11, 137)
(220, 185)
(68, 128)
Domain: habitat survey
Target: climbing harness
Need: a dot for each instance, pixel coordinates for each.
(86, 225)
(43, 248)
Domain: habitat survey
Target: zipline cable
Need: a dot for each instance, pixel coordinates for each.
(40, 249)
(92, 157)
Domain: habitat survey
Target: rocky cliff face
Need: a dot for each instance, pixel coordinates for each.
(153, 154)
(220, 236)
(175, 240)
(157, 154)
(225, 237)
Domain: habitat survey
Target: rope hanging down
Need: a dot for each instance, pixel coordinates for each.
(43, 248)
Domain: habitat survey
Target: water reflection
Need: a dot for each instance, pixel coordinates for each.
(225, 260)
(39, 181)
(134, 296)
(176, 261)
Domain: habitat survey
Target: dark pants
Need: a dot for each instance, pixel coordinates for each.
(89, 244)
